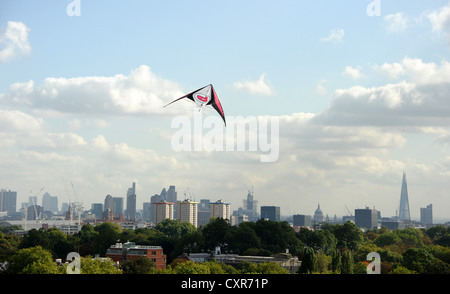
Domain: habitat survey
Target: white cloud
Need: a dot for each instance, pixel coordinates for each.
(440, 19)
(354, 73)
(418, 100)
(320, 88)
(141, 92)
(14, 41)
(396, 23)
(336, 36)
(255, 87)
(393, 70)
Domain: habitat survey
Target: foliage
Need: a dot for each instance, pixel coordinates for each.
(309, 262)
(338, 248)
(140, 265)
(92, 266)
(347, 263)
(34, 260)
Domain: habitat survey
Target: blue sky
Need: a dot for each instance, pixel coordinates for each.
(354, 94)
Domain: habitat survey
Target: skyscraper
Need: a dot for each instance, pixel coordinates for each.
(161, 211)
(187, 211)
(366, 218)
(220, 209)
(49, 202)
(131, 203)
(270, 212)
(426, 215)
(8, 200)
(404, 202)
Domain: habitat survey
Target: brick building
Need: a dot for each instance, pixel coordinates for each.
(128, 251)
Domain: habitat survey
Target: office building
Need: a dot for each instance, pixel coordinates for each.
(366, 218)
(220, 209)
(131, 203)
(50, 203)
(122, 253)
(186, 211)
(162, 210)
(301, 220)
(426, 215)
(203, 212)
(271, 213)
(8, 201)
(113, 207)
(97, 210)
(34, 212)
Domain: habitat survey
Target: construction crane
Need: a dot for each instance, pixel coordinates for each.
(349, 213)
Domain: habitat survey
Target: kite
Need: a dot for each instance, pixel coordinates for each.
(203, 97)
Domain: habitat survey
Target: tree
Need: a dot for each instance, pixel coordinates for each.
(347, 263)
(348, 236)
(33, 260)
(86, 237)
(191, 267)
(8, 246)
(216, 233)
(174, 228)
(309, 262)
(386, 239)
(323, 261)
(244, 238)
(417, 259)
(91, 266)
(108, 234)
(140, 265)
(336, 258)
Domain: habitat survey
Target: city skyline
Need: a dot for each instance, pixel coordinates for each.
(170, 196)
(359, 95)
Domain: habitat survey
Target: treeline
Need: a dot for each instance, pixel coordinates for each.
(339, 248)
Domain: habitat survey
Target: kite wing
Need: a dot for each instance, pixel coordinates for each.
(204, 96)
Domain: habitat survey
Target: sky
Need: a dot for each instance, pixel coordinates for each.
(358, 88)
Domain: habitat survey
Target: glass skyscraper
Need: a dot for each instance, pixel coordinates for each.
(404, 202)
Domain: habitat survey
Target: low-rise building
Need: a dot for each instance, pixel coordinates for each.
(128, 251)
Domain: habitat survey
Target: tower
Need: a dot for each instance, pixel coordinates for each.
(404, 202)
(131, 203)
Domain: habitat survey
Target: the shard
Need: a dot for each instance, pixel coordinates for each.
(404, 202)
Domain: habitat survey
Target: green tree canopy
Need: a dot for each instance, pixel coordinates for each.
(33, 260)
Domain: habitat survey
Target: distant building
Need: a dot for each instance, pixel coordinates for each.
(249, 210)
(187, 211)
(34, 212)
(162, 210)
(97, 210)
(131, 203)
(318, 215)
(392, 224)
(220, 209)
(128, 251)
(426, 215)
(366, 218)
(404, 214)
(203, 212)
(271, 213)
(8, 201)
(114, 206)
(50, 203)
(301, 220)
